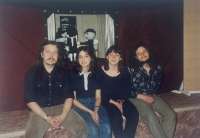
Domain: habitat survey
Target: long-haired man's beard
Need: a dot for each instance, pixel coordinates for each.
(143, 62)
(50, 63)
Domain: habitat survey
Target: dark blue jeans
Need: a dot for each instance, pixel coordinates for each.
(103, 129)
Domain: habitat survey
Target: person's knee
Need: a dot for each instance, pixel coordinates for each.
(171, 115)
(34, 132)
(116, 118)
(80, 132)
(93, 131)
(79, 129)
(106, 128)
(150, 119)
(133, 115)
(82, 127)
(36, 127)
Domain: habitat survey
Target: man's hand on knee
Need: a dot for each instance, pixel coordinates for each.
(146, 98)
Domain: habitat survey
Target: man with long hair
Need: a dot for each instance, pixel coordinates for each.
(48, 93)
(147, 76)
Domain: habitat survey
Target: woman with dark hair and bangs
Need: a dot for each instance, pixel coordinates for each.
(87, 94)
(116, 90)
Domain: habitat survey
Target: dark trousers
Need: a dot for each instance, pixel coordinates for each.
(129, 112)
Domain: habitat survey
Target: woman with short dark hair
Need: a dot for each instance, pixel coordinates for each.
(116, 90)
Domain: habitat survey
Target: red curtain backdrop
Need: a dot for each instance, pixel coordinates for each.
(162, 29)
(22, 30)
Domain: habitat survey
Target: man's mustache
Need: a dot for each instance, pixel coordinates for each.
(51, 59)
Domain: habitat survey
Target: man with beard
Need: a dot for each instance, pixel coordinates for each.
(147, 76)
(48, 93)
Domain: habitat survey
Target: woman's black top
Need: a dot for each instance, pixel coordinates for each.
(115, 88)
(78, 85)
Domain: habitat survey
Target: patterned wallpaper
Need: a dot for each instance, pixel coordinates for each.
(191, 45)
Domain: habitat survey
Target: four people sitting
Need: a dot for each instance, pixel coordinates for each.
(92, 102)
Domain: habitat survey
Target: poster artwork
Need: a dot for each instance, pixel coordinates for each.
(66, 36)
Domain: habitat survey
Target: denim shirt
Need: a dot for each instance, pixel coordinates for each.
(143, 83)
(49, 91)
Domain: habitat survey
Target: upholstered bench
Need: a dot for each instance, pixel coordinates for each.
(188, 116)
(12, 124)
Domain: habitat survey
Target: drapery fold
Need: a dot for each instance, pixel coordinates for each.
(22, 30)
(106, 27)
(21, 33)
(162, 29)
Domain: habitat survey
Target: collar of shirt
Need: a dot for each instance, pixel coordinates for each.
(85, 75)
(52, 73)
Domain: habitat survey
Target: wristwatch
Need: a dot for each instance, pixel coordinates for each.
(45, 118)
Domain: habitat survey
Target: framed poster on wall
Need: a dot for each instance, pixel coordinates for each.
(74, 30)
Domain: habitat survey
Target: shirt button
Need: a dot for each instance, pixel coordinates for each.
(49, 76)
(48, 104)
(49, 84)
(49, 98)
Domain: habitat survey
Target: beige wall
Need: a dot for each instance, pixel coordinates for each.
(191, 45)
